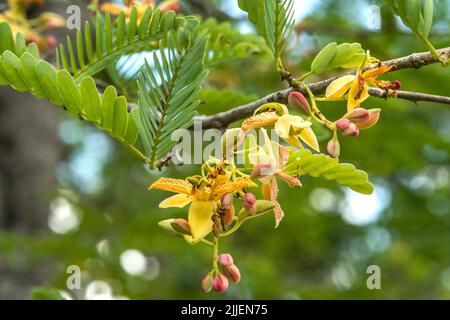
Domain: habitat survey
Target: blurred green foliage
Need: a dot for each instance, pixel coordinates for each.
(318, 251)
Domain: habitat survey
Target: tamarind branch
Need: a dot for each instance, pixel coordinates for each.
(416, 60)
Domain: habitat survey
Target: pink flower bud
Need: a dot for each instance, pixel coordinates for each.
(227, 200)
(232, 273)
(352, 131)
(229, 215)
(374, 116)
(51, 42)
(299, 103)
(181, 226)
(207, 282)
(220, 283)
(261, 170)
(225, 259)
(334, 148)
(169, 5)
(249, 200)
(343, 124)
(358, 115)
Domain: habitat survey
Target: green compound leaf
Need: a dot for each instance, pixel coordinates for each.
(319, 165)
(274, 20)
(166, 94)
(418, 16)
(323, 58)
(227, 43)
(28, 73)
(333, 56)
(415, 14)
(114, 39)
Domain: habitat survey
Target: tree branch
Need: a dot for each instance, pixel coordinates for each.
(415, 60)
(411, 96)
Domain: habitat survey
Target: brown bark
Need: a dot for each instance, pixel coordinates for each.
(30, 151)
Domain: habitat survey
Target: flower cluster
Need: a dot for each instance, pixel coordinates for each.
(33, 29)
(222, 186)
(219, 280)
(354, 88)
(213, 197)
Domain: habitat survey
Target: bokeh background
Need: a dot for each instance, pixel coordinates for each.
(70, 195)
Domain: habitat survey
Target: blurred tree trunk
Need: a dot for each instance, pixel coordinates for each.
(30, 149)
(30, 152)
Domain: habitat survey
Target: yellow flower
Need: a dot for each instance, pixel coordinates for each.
(269, 161)
(288, 127)
(292, 128)
(356, 85)
(115, 9)
(141, 6)
(260, 120)
(203, 197)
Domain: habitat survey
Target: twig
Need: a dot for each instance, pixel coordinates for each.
(415, 60)
(411, 96)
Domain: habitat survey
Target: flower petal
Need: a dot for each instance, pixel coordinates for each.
(357, 94)
(270, 189)
(283, 127)
(287, 123)
(293, 141)
(260, 120)
(176, 201)
(232, 186)
(291, 180)
(200, 222)
(297, 123)
(270, 192)
(172, 185)
(264, 154)
(371, 74)
(232, 139)
(266, 189)
(260, 157)
(338, 87)
(268, 147)
(278, 212)
(283, 154)
(309, 137)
